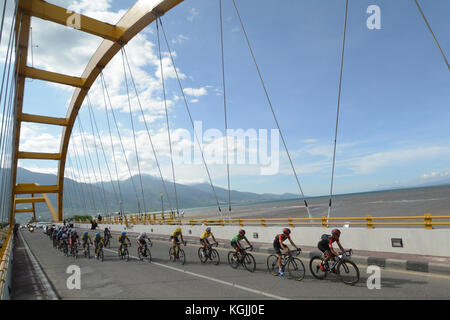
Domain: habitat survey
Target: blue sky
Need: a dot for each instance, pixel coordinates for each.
(393, 128)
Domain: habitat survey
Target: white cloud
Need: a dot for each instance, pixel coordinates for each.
(435, 175)
(193, 13)
(196, 92)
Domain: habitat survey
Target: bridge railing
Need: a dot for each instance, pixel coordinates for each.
(427, 221)
(5, 251)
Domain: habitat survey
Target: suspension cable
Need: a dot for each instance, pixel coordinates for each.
(111, 141)
(167, 116)
(103, 149)
(190, 116)
(80, 167)
(88, 152)
(146, 127)
(123, 149)
(432, 34)
(271, 107)
(96, 153)
(75, 178)
(338, 107)
(134, 133)
(225, 107)
(3, 20)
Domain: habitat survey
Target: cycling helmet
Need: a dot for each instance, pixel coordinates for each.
(97, 234)
(208, 229)
(178, 229)
(86, 232)
(242, 232)
(336, 232)
(143, 234)
(123, 233)
(286, 231)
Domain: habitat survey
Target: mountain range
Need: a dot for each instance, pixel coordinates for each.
(90, 199)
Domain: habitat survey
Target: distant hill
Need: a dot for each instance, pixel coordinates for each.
(82, 198)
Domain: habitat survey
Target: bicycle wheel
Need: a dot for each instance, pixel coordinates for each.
(296, 269)
(314, 267)
(100, 254)
(75, 252)
(181, 256)
(214, 256)
(148, 254)
(126, 254)
(348, 272)
(140, 254)
(201, 255)
(249, 262)
(272, 264)
(233, 260)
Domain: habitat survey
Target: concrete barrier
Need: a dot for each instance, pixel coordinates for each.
(414, 241)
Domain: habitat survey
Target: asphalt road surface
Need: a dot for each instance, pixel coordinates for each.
(161, 279)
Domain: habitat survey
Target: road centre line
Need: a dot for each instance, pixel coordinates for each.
(212, 279)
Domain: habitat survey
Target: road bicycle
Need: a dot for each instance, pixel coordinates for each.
(345, 269)
(106, 241)
(74, 250)
(242, 257)
(294, 266)
(99, 252)
(86, 251)
(124, 254)
(209, 253)
(65, 248)
(144, 252)
(178, 256)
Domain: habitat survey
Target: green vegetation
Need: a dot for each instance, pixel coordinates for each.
(81, 218)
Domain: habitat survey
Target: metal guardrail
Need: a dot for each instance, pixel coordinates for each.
(5, 252)
(427, 220)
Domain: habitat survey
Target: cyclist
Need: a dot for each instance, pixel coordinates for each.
(123, 240)
(63, 240)
(204, 239)
(141, 240)
(98, 242)
(175, 240)
(326, 246)
(278, 246)
(73, 238)
(85, 238)
(235, 241)
(107, 234)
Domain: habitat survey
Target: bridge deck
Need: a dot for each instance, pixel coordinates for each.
(161, 279)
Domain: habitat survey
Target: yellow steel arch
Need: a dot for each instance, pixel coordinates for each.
(134, 21)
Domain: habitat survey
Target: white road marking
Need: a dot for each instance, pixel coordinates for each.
(213, 279)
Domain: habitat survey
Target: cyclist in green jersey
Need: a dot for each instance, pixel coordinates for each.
(235, 241)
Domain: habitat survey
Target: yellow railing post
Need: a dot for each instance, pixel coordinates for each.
(205, 222)
(221, 222)
(291, 224)
(324, 222)
(263, 222)
(240, 222)
(369, 222)
(428, 221)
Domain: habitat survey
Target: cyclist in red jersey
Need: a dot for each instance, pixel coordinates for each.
(326, 246)
(278, 246)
